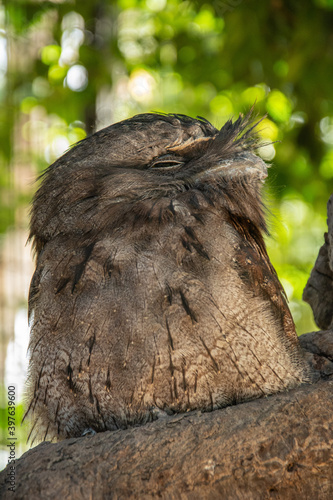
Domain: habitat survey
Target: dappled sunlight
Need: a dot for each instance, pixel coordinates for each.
(76, 78)
(141, 86)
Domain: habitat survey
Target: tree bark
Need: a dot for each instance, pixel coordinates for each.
(319, 288)
(278, 447)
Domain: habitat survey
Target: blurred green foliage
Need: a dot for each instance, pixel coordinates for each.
(74, 66)
(69, 67)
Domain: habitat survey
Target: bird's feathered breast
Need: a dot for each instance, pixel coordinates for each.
(153, 287)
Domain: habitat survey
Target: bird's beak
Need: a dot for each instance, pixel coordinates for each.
(247, 166)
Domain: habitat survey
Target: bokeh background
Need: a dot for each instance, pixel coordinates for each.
(69, 68)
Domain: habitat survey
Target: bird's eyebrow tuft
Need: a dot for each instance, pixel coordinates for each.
(191, 144)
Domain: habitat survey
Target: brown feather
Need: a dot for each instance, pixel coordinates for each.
(153, 290)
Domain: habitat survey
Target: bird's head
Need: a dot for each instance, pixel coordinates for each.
(142, 160)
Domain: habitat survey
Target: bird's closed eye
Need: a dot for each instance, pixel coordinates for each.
(167, 161)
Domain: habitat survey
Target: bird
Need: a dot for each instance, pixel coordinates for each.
(153, 292)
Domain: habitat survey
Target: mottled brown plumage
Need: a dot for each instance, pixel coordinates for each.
(153, 291)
